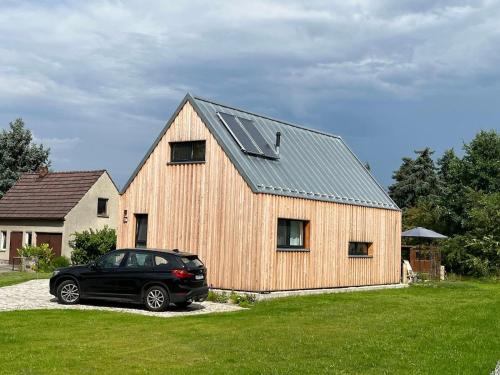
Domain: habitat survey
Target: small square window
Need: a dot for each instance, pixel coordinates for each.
(187, 152)
(360, 249)
(292, 234)
(102, 207)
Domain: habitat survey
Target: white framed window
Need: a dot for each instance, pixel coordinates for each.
(3, 240)
(28, 238)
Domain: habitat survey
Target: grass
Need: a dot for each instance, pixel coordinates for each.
(449, 328)
(11, 278)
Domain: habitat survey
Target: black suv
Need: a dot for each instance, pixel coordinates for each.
(153, 277)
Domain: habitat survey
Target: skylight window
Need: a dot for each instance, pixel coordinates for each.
(247, 136)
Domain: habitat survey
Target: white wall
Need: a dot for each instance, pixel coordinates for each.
(42, 226)
(84, 215)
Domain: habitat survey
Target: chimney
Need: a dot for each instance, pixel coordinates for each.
(278, 142)
(42, 171)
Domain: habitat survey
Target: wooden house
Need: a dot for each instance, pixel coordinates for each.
(267, 205)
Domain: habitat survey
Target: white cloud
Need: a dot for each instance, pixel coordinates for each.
(78, 67)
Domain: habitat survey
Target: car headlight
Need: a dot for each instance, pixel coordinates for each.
(55, 272)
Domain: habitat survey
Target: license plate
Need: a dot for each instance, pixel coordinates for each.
(199, 277)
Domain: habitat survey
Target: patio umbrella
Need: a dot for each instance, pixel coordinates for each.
(420, 232)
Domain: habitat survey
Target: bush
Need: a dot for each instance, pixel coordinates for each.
(91, 244)
(59, 262)
(470, 255)
(243, 300)
(43, 253)
(222, 297)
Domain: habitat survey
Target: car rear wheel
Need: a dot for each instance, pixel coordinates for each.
(183, 305)
(156, 299)
(68, 292)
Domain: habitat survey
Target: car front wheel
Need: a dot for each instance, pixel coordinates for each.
(156, 299)
(68, 292)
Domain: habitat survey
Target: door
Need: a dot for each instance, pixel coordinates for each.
(103, 280)
(136, 272)
(141, 230)
(54, 240)
(16, 242)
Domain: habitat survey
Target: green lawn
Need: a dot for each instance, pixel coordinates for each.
(11, 278)
(453, 328)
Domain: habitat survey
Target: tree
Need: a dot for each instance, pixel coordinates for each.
(415, 179)
(477, 171)
(451, 200)
(18, 154)
(91, 244)
(481, 162)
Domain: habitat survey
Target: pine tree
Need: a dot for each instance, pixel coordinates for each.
(415, 179)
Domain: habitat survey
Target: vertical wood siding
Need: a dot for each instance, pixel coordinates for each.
(210, 210)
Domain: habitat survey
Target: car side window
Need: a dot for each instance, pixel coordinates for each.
(112, 260)
(139, 260)
(161, 260)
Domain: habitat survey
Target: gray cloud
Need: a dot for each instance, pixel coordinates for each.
(109, 73)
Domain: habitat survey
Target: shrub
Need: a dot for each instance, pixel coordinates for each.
(60, 261)
(222, 297)
(477, 256)
(91, 244)
(43, 253)
(243, 300)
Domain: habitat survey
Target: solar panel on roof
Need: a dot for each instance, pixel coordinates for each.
(247, 135)
(239, 134)
(254, 133)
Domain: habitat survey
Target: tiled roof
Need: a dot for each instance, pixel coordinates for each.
(49, 197)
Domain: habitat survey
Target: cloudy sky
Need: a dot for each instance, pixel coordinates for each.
(97, 80)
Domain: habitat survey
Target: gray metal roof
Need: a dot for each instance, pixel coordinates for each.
(311, 165)
(420, 232)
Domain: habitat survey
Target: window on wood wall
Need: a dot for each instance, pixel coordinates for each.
(360, 249)
(141, 230)
(187, 152)
(293, 234)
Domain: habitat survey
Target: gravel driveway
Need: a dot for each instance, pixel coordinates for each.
(34, 294)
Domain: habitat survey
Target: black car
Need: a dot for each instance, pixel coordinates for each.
(152, 277)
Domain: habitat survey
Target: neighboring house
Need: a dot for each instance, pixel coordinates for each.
(266, 204)
(49, 207)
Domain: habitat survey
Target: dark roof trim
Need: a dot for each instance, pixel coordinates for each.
(188, 98)
(155, 143)
(371, 176)
(48, 218)
(113, 181)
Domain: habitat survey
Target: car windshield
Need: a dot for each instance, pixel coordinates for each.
(191, 262)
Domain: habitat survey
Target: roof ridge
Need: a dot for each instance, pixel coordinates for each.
(267, 117)
(68, 172)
